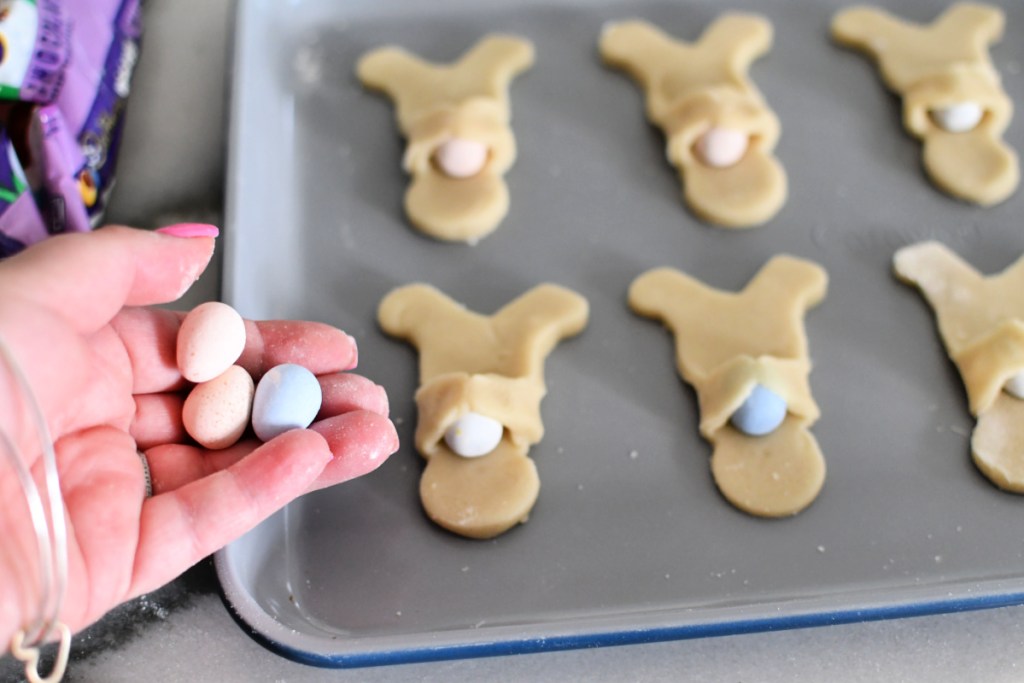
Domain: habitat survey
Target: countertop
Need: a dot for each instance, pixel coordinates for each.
(172, 168)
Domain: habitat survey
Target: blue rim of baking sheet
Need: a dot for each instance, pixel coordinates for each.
(534, 645)
(673, 625)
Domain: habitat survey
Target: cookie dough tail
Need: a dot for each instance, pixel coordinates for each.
(744, 195)
(776, 475)
(985, 170)
(479, 497)
(997, 444)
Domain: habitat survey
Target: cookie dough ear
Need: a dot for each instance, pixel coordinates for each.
(931, 266)
(638, 48)
(792, 276)
(382, 68)
(867, 28)
(742, 37)
(496, 60)
(405, 310)
(653, 293)
(562, 311)
(985, 23)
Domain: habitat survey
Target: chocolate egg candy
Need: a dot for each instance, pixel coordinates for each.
(210, 340)
(761, 413)
(722, 147)
(473, 435)
(287, 397)
(216, 412)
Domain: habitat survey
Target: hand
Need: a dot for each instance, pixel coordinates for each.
(102, 367)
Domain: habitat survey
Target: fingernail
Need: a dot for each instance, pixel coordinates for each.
(355, 353)
(189, 230)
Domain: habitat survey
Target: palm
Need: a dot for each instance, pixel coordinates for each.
(111, 389)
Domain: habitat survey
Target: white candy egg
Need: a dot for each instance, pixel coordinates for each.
(1015, 385)
(958, 118)
(473, 435)
(722, 147)
(461, 158)
(210, 340)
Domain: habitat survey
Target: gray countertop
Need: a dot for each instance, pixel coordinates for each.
(173, 168)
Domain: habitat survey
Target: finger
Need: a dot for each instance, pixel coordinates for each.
(318, 347)
(180, 527)
(150, 336)
(158, 417)
(158, 420)
(88, 277)
(348, 392)
(361, 439)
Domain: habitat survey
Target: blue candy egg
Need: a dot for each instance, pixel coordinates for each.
(287, 397)
(761, 413)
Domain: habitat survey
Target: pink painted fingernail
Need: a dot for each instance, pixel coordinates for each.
(189, 230)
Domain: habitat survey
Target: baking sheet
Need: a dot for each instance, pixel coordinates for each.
(629, 540)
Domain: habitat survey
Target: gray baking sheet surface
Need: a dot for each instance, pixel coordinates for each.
(629, 541)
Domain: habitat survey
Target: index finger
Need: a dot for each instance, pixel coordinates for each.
(150, 337)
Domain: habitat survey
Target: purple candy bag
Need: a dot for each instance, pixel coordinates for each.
(77, 83)
(20, 222)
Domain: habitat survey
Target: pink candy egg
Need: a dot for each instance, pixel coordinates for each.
(217, 412)
(211, 339)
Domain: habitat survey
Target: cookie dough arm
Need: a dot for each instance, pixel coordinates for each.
(496, 60)
(406, 309)
(637, 48)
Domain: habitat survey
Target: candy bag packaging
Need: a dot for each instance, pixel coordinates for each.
(65, 75)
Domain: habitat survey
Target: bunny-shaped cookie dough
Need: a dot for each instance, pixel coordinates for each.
(455, 118)
(746, 356)
(481, 384)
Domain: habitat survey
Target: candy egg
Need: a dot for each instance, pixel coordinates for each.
(461, 158)
(216, 412)
(761, 413)
(958, 118)
(722, 147)
(287, 397)
(473, 435)
(1015, 385)
(210, 340)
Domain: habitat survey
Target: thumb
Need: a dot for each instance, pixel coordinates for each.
(88, 277)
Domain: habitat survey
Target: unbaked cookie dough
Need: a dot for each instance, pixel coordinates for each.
(981, 321)
(455, 118)
(953, 100)
(745, 354)
(481, 384)
(720, 132)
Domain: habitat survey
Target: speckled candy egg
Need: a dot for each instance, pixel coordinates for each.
(216, 412)
(287, 397)
(210, 340)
